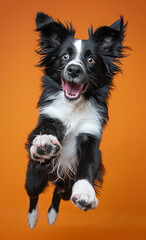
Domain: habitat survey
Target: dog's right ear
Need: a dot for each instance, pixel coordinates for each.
(52, 33)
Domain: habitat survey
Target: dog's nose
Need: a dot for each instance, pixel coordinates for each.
(74, 70)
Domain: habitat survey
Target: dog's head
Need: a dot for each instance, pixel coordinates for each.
(79, 66)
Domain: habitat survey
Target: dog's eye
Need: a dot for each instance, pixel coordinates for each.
(91, 60)
(65, 56)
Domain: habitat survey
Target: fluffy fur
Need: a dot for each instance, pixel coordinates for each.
(64, 147)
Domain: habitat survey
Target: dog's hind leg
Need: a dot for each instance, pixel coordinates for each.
(54, 208)
(32, 212)
(62, 191)
(36, 181)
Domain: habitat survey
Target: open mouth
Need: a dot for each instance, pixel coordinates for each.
(73, 90)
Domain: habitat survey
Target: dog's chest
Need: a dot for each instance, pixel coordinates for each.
(78, 117)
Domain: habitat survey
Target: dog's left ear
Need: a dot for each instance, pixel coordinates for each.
(109, 39)
(42, 21)
(52, 33)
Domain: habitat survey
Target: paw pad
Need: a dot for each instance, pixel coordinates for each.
(44, 147)
(83, 195)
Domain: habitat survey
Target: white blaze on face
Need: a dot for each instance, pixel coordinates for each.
(77, 59)
(78, 46)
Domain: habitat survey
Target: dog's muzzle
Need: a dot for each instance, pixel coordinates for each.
(73, 81)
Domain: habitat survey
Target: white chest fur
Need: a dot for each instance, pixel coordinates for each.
(79, 116)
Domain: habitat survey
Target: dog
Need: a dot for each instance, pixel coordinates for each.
(64, 149)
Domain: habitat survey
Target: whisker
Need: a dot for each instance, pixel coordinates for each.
(88, 78)
(91, 80)
(92, 76)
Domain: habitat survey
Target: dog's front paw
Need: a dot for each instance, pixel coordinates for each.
(44, 147)
(83, 195)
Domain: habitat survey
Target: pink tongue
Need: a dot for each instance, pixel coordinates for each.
(72, 88)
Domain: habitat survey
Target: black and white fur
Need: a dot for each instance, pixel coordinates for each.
(64, 147)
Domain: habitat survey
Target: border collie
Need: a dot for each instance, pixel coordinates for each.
(64, 147)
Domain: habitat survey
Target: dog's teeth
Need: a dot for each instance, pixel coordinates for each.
(70, 96)
(82, 86)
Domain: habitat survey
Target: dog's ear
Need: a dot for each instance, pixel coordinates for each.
(42, 20)
(110, 38)
(52, 33)
(109, 41)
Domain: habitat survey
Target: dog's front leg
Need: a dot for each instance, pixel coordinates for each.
(90, 169)
(44, 141)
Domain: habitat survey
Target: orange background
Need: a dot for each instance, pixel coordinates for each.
(121, 213)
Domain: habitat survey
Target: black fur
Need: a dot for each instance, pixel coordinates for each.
(104, 46)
